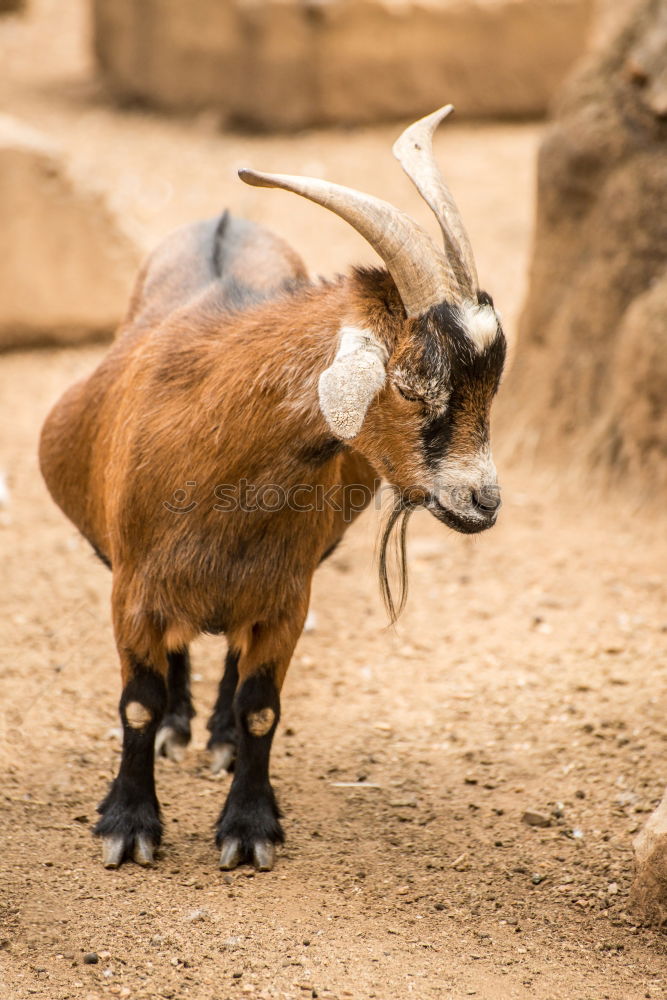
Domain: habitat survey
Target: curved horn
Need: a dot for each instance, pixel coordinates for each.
(418, 267)
(414, 151)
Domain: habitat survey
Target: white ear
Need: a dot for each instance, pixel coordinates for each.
(348, 387)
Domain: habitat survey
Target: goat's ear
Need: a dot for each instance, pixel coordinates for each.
(350, 384)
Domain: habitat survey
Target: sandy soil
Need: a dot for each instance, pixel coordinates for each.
(527, 673)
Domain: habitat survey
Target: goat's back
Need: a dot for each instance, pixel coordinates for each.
(232, 262)
(204, 270)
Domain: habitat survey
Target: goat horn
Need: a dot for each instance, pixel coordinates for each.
(419, 269)
(414, 151)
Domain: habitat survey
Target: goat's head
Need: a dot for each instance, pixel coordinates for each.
(420, 354)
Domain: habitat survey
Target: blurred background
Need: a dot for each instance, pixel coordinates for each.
(124, 118)
(527, 674)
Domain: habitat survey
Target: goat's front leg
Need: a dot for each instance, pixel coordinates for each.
(249, 825)
(130, 825)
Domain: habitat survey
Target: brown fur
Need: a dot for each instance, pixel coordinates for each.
(213, 382)
(210, 397)
(170, 404)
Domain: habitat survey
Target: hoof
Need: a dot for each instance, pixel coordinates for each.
(264, 855)
(143, 851)
(171, 744)
(113, 851)
(116, 849)
(230, 855)
(223, 756)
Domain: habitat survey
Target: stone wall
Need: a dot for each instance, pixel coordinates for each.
(288, 64)
(590, 377)
(67, 267)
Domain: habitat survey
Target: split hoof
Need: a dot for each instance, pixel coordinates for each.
(171, 744)
(223, 756)
(115, 849)
(231, 855)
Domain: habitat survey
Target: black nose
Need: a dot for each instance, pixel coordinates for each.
(486, 500)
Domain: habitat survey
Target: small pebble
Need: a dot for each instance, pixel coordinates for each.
(532, 818)
(92, 958)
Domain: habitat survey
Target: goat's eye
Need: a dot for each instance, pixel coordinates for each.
(409, 395)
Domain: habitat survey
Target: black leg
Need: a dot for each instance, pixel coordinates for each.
(130, 823)
(222, 724)
(174, 733)
(249, 827)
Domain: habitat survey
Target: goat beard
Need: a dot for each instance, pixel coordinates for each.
(392, 557)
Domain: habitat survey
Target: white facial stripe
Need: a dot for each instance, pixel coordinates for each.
(480, 322)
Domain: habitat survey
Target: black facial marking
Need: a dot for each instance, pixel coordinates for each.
(131, 807)
(251, 813)
(472, 378)
(222, 724)
(437, 436)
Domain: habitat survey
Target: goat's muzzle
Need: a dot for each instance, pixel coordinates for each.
(477, 512)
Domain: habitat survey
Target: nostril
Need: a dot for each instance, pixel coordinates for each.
(487, 499)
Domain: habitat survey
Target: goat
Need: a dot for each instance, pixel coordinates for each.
(232, 367)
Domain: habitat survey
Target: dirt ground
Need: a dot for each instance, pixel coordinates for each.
(528, 672)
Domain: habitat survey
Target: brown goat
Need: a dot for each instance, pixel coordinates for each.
(233, 383)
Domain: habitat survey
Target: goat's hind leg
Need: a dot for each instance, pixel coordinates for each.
(175, 733)
(223, 740)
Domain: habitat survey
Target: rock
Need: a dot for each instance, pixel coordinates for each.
(92, 958)
(293, 63)
(535, 818)
(648, 895)
(591, 361)
(67, 266)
